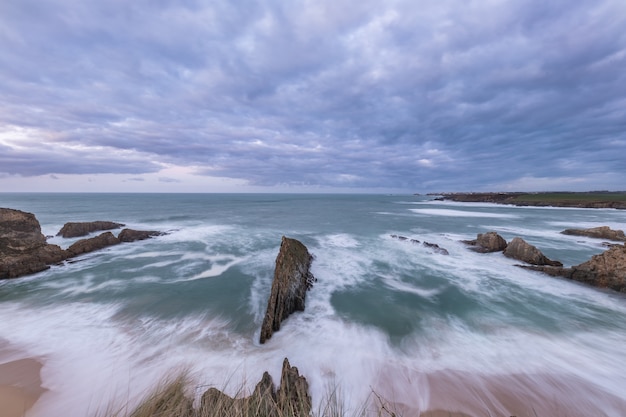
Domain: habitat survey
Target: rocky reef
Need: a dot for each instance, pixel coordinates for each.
(606, 270)
(292, 279)
(602, 232)
(78, 229)
(517, 249)
(24, 249)
(432, 246)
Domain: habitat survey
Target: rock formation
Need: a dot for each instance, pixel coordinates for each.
(602, 232)
(23, 248)
(291, 399)
(130, 235)
(487, 242)
(606, 270)
(522, 251)
(435, 247)
(92, 244)
(78, 229)
(292, 279)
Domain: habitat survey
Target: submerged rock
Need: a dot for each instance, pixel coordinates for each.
(522, 251)
(78, 229)
(435, 247)
(487, 243)
(602, 232)
(291, 399)
(606, 270)
(292, 279)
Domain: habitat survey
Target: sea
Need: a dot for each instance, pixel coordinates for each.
(388, 321)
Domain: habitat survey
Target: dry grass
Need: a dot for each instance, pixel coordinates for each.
(171, 399)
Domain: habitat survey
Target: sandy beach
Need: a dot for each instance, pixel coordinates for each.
(462, 394)
(20, 386)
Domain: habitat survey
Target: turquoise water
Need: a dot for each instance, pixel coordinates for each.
(117, 320)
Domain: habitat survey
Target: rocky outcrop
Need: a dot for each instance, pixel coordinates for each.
(522, 251)
(292, 279)
(602, 232)
(291, 399)
(23, 248)
(433, 246)
(78, 229)
(130, 235)
(487, 243)
(606, 270)
(92, 244)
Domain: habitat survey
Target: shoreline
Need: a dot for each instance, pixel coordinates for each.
(613, 200)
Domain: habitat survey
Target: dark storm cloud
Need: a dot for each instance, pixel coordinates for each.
(418, 96)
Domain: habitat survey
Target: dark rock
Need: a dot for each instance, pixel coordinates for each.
(292, 279)
(130, 235)
(89, 245)
(522, 251)
(291, 399)
(23, 248)
(487, 243)
(435, 247)
(77, 229)
(602, 232)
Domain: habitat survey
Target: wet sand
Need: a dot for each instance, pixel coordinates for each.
(462, 394)
(20, 386)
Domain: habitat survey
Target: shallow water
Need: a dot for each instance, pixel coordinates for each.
(384, 314)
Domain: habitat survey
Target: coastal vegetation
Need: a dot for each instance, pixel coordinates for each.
(592, 199)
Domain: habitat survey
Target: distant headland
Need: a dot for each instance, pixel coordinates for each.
(588, 199)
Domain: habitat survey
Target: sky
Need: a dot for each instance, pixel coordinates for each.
(312, 95)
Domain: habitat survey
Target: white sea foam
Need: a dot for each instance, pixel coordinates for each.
(462, 213)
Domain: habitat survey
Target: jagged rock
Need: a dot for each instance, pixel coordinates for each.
(89, 245)
(130, 235)
(606, 270)
(602, 232)
(77, 229)
(291, 399)
(19, 232)
(487, 243)
(292, 279)
(23, 248)
(293, 395)
(522, 251)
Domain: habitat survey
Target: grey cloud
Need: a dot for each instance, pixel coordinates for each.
(327, 93)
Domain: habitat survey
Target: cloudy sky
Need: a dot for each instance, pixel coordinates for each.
(312, 95)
